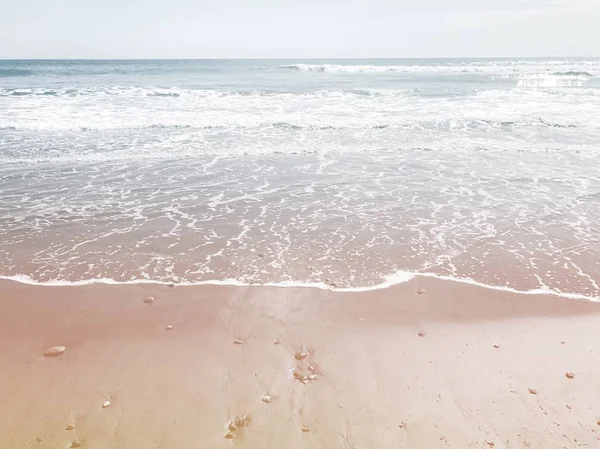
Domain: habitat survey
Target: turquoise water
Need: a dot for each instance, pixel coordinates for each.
(338, 172)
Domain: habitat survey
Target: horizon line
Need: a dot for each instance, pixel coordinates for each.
(291, 57)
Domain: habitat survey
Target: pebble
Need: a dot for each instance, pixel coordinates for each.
(76, 443)
(169, 328)
(532, 391)
(39, 439)
(421, 334)
(70, 427)
(267, 399)
(243, 421)
(171, 285)
(276, 342)
(562, 342)
(238, 342)
(54, 351)
(570, 375)
(496, 345)
(300, 355)
(106, 404)
(305, 428)
(230, 435)
(148, 300)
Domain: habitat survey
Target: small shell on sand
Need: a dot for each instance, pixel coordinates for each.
(267, 398)
(304, 380)
(238, 342)
(148, 300)
(305, 428)
(230, 435)
(106, 404)
(312, 377)
(276, 342)
(570, 375)
(421, 334)
(300, 355)
(532, 391)
(70, 427)
(76, 443)
(168, 327)
(54, 351)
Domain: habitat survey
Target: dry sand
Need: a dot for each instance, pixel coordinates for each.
(426, 364)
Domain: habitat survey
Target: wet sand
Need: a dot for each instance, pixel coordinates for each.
(425, 364)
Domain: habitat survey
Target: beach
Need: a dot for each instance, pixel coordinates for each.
(424, 364)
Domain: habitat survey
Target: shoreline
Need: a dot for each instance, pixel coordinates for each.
(388, 281)
(422, 364)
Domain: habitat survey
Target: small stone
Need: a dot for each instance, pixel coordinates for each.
(243, 421)
(420, 291)
(276, 342)
(496, 345)
(171, 285)
(300, 355)
(76, 443)
(598, 422)
(267, 399)
(148, 300)
(305, 428)
(238, 342)
(106, 404)
(569, 407)
(421, 334)
(39, 439)
(230, 435)
(532, 391)
(490, 443)
(168, 327)
(54, 351)
(562, 342)
(70, 427)
(402, 425)
(570, 375)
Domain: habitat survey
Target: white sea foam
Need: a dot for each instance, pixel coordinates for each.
(397, 278)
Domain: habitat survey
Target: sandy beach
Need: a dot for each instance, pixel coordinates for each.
(425, 364)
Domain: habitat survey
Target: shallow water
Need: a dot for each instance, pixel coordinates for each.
(321, 172)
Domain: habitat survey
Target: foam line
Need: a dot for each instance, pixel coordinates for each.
(397, 278)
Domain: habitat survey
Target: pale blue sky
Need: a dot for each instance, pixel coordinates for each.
(297, 29)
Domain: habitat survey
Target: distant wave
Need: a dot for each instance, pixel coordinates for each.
(175, 92)
(573, 73)
(307, 124)
(7, 73)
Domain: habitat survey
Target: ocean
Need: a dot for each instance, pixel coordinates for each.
(344, 174)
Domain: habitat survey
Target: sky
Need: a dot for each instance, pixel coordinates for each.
(297, 28)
